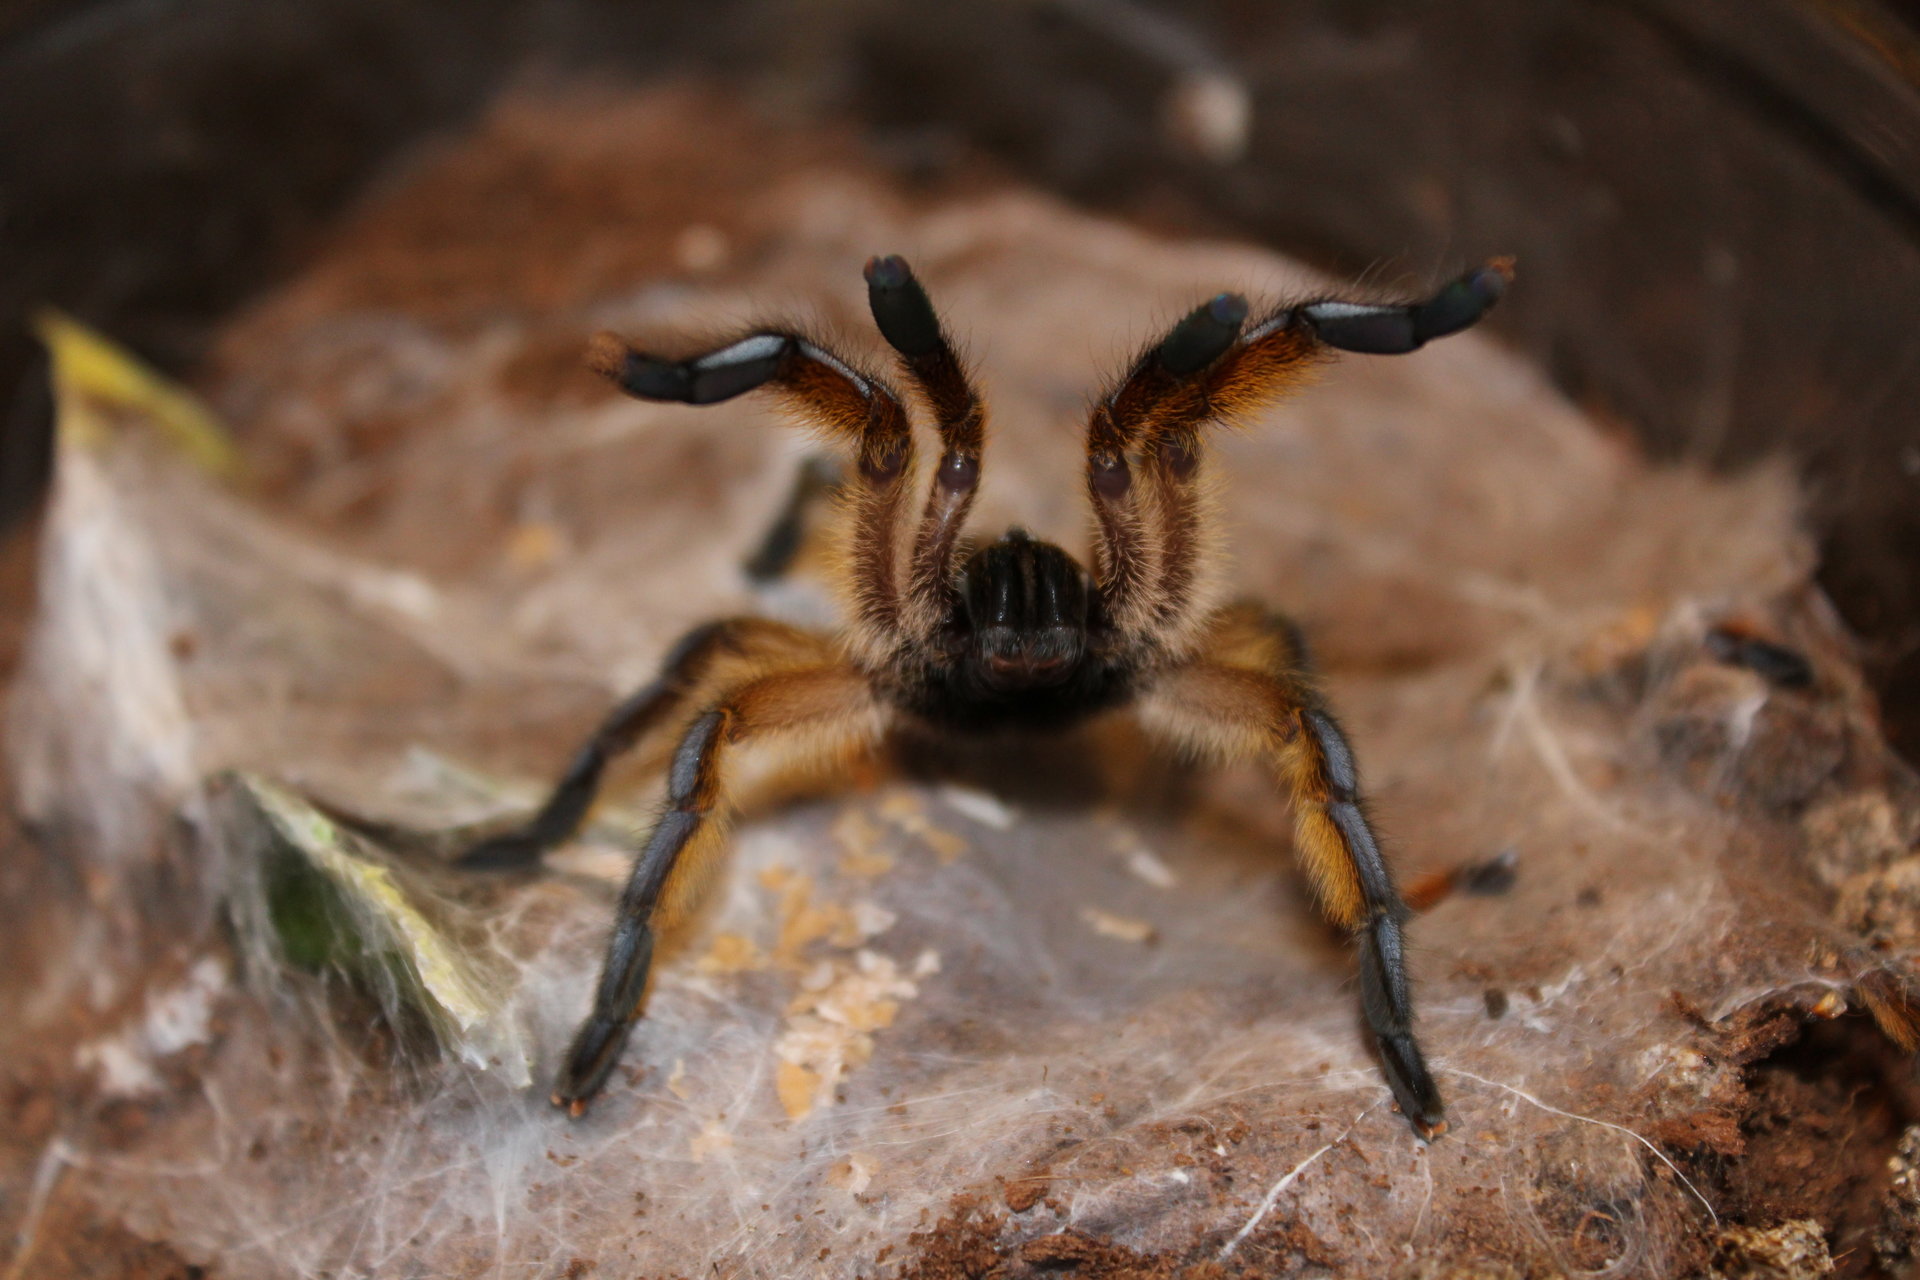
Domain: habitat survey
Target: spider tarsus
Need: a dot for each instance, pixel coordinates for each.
(733, 370)
(1413, 1089)
(1372, 329)
(901, 308)
(887, 271)
(1461, 302)
(1110, 475)
(887, 465)
(1387, 1005)
(590, 1060)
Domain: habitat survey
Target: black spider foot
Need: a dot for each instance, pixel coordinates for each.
(590, 1060)
(1413, 1088)
(1388, 1006)
(1389, 330)
(901, 308)
(731, 371)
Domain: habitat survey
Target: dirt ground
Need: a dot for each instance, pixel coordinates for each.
(1044, 1008)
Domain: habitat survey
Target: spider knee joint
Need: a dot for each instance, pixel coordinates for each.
(959, 472)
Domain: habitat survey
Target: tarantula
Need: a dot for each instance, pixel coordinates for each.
(1012, 634)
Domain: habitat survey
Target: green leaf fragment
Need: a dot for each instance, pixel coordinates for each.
(334, 905)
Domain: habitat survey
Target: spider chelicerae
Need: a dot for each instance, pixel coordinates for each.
(1014, 634)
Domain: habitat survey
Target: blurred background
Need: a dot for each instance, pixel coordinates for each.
(1715, 203)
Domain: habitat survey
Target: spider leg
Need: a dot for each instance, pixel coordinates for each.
(1248, 696)
(825, 390)
(687, 665)
(1392, 330)
(907, 320)
(819, 478)
(1217, 364)
(832, 707)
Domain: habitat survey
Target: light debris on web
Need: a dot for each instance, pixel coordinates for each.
(1679, 1070)
(732, 953)
(906, 811)
(841, 998)
(830, 1026)
(854, 1174)
(1791, 1250)
(714, 1137)
(174, 1019)
(1124, 928)
(859, 839)
(803, 921)
(983, 807)
(533, 545)
(1897, 1238)
(1141, 861)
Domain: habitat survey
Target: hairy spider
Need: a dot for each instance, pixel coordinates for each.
(1012, 634)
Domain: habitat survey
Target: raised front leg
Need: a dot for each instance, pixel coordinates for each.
(905, 317)
(854, 407)
(1143, 438)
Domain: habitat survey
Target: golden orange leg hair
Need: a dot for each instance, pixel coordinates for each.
(826, 392)
(1213, 366)
(906, 319)
(714, 652)
(828, 707)
(1248, 695)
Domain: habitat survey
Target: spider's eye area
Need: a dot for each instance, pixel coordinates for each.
(1026, 609)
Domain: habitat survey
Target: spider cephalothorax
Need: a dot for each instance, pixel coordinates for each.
(1023, 645)
(1014, 633)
